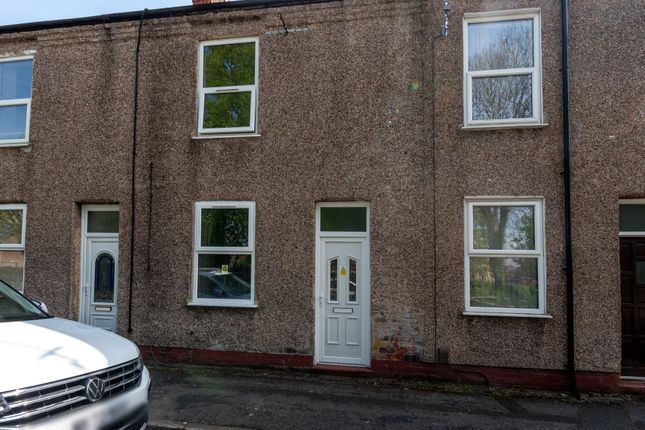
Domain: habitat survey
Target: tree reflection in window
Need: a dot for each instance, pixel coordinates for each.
(10, 226)
(504, 281)
(229, 75)
(501, 46)
(227, 110)
(226, 227)
(504, 227)
(104, 279)
(502, 97)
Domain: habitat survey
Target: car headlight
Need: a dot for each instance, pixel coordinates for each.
(4, 406)
(139, 364)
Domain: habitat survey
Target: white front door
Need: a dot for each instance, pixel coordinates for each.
(343, 288)
(100, 267)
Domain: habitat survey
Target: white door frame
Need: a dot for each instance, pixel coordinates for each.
(84, 297)
(319, 294)
(629, 234)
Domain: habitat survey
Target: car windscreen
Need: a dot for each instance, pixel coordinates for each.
(16, 307)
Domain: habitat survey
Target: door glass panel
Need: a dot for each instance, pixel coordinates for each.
(103, 222)
(343, 219)
(353, 286)
(12, 268)
(640, 272)
(333, 280)
(224, 276)
(104, 279)
(632, 217)
(10, 227)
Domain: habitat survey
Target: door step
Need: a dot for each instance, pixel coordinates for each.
(332, 369)
(632, 386)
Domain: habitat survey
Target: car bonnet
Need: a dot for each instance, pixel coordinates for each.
(46, 350)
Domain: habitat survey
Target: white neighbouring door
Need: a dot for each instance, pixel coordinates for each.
(343, 294)
(100, 263)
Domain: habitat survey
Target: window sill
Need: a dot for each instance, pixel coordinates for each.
(226, 136)
(14, 144)
(502, 126)
(501, 314)
(221, 305)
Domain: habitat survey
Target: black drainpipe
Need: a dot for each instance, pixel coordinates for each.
(571, 345)
(134, 160)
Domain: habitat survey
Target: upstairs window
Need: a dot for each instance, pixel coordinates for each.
(15, 100)
(502, 69)
(228, 86)
(12, 245)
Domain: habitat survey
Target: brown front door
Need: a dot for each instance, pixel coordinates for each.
(632, 285)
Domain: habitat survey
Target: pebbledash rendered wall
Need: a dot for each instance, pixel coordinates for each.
(345, 113)
(608, 141)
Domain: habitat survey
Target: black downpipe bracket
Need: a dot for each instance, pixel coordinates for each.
(571, 345)
(134, 166)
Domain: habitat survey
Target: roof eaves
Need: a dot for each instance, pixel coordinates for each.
(155, 14)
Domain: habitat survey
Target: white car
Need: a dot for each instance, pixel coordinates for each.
(60, 374)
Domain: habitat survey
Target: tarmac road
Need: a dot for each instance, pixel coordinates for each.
(204, 397)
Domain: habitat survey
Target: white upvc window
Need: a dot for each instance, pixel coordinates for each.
(13, 227)
(228, 86)
(224, 257)
(15, 100)
(504, 256)
(502, 69)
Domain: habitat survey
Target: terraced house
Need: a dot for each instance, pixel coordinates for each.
(363, 185)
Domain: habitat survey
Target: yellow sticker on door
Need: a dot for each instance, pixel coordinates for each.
(343, 271)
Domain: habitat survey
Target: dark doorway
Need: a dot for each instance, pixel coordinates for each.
(632, 285)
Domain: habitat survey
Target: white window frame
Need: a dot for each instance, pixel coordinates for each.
(535, 71)
(240, 250)
(18, 246)
(253, 89)
(18, 102)
(539, 252)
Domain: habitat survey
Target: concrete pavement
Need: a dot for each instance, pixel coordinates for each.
(204, 397)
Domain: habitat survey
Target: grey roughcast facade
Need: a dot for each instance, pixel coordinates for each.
(343, 184)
